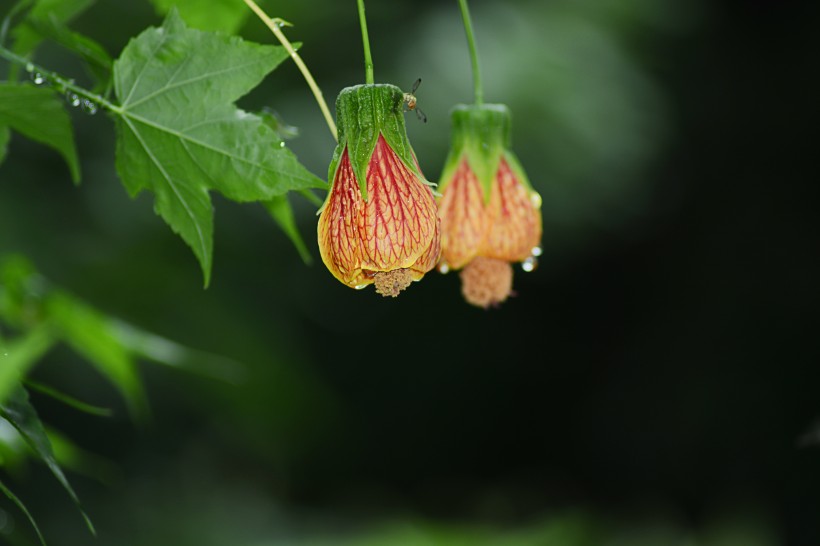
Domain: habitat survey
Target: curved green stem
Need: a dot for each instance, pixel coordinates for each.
(478, 91)
(275, 26)
(60, 83)
(368, 60)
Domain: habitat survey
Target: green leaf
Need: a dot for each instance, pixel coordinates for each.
(80, 461)
(180, 135)
(5, 136)
(216, 15)
(20, 7)
(27, 38)
(24, 510)
(89, 333)
(66, 399)
(273, 120)
(281, 211)
(170, 353)
(18, 356)
(21, 292)
(38, 114)
(98, 61)
(21, 414)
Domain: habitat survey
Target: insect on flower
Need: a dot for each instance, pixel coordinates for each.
(410, 101)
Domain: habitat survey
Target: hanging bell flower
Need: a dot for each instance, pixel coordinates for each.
(379, 223)
(490, 215)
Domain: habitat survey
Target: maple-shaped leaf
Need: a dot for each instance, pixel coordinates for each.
(38, 114)
(179, 133)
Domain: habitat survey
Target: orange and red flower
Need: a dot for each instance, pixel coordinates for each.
(490, 215)
(379, 223)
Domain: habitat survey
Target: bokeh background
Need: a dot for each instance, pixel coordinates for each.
(653, 381)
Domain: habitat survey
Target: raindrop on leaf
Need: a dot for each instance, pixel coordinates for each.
(89, 107)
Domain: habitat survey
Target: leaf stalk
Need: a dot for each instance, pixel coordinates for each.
(368, 60)
(478, 91)
(61, 84)
(275, 25)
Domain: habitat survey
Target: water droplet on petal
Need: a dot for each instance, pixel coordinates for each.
(360, 286)
(443, 267)
(536, 251)
(529, 264)
(89, 107)
(535, 199)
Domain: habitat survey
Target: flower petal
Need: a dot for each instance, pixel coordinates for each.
(463, 219)
(513, 216)
(339, 243)
(399, 222)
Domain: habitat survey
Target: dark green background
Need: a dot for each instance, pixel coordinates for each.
(650, 382)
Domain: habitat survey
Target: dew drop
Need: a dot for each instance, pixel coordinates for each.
(529, 264)
(72, 99)
(360, 286)
(38, 78)
(443, 267)
(29, 67)
(536, 251)
(89, 107)
(281, 144)
(535, 199)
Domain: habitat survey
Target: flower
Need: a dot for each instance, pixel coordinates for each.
(490, 215)
(379, 223)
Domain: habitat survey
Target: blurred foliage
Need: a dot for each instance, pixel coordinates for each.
(651, 384)
(34, 316)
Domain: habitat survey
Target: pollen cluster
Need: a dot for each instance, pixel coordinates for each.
(486, 282)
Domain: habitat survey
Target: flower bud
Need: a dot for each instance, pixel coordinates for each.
(490, 215)
(379, 223)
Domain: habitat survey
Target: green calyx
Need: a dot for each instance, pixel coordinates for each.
(481, 133)
(363, 112)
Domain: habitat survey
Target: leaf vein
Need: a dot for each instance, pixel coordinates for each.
(195, 79)
(172, 185)
(182, 136)
(142, 70)
(213, 182)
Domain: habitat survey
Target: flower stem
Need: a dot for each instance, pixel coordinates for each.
(60, 83)
(275, 26)
(478, 91)
(368, 60)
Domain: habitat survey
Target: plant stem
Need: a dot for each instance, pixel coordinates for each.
(275, 26)
(60, 83)
(478, 91)
(368, 60)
